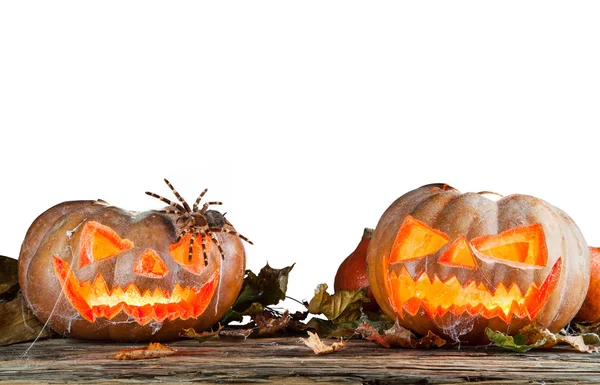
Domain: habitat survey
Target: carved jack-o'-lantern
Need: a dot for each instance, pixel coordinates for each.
(95, 271)
(456, 263)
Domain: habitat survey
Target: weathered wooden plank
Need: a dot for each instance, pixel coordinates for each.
(286, 359)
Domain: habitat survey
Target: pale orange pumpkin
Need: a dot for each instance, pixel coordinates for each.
(457, 263)
(94, 271)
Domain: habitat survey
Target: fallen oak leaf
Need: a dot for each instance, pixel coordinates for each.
(591, 338)
(268, 326)
(588, 327)
(299, 315)
(399, 336)
(342, 306)
(236, 333)
(579, 342)
(319, 347)
(153, 350)
(535, 332)
(518, 343)
(17, 322)
(537, 336)
(258, 291)
(320, 326)
(331, 329)
(204, 336)
(9, 278)
(369, 333)
(431, 340)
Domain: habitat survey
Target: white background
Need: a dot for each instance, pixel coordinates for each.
(306, 118)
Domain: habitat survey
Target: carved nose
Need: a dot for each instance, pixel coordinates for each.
(151, 265)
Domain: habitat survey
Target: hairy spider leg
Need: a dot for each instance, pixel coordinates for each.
(232, 232)
(179, 198)
(182, 234)
(216, 242)
(163, 199)
(191, 247)
(199, 199)
(205, 207)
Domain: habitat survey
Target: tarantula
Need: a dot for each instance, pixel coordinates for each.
(198, 221)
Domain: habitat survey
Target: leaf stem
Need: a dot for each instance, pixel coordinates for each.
(295, 300)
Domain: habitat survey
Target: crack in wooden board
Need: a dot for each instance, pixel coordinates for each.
(278, 360)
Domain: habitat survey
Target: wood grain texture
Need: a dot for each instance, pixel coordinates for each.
(286, 360)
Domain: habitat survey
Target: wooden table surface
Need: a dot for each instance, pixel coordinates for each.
(286, 360)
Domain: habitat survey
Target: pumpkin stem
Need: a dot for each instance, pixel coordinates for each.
(490, 192)
(441, 186)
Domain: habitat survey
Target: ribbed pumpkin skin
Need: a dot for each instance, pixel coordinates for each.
(56, 233)
(446, 209)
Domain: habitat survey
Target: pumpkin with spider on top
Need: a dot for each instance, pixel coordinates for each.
(95, 271)
(455, 263)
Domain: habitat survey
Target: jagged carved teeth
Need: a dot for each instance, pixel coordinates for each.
(437, 297)
(95, 300)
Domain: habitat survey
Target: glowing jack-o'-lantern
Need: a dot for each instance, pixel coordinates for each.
(95, 271)
(456, 263)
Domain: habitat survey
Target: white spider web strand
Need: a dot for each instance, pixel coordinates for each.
(62, 289)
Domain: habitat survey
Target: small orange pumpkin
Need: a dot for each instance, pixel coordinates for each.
(590, 310)
(94, 271)
(352, 273)
(457, 263)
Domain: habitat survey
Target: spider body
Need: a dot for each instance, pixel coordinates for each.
(215, 218)
(198, 221)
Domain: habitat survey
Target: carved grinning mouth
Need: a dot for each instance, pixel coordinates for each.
(437, 297)
(95, 300)
(519, 248)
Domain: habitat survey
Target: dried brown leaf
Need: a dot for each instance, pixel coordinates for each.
(268, 325)
(204, 336)
(18, 324)
(258, 291)
(299, 315)
(579, 343)
(236, 333)
(342, 306)
(330, 329)
(369, 333)
(319, 347)
(431, 340)
(535, 333)
(154, 350)
(588, 327)
(9, 278)
(537, 336)
(399, 336)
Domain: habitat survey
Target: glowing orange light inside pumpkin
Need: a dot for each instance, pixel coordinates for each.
(437, 297)
(100, 242)
(151, 265)
(180, 252)
(458, 254)
(415, 240)
(96, 300)
(522, 247)
(525, 244)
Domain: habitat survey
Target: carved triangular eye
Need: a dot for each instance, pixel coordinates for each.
(180, 252)
(526, 245)
(458, 254)
(99, 242)
(151, 265)
(415, 240)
